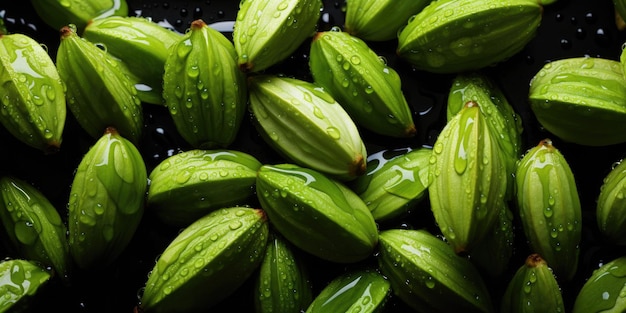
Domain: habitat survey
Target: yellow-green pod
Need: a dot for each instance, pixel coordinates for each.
(611, 205)
(59, 13)
(20, 282)
(379, 20)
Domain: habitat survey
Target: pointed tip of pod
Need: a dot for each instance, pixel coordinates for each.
(262, 214)
(317, 36)
(111, 130)
(358, 167)
(547, 143)
(198, 24)
(535, 260)
(67, 30)
(410, 131)
(246, 67)
(52, 148)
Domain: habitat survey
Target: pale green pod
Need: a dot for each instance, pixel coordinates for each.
(317, 214)
(142, 44)
(611, 205)
(603, 290)
(20, 282)
(190, 184)
(549, 208)
(34, 226)
(391, 187)
(533, 289)
(376, 20)
(493, 254)
(304, 123)
(369, 90)
(207, 261)
(467, 179)
(32, 94)
(427, 274)
(357, 290)
(106, 200)
(268, 31)
(60, 13)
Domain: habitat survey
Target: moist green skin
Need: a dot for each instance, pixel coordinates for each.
(603, 289)
(60, 13)
(611, 205)
(379, 20)
(20, 282)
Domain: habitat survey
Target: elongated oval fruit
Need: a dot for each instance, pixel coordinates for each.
(203, 89)
(99, 93)
(190, 184)
(20, 282)
(376, 20)
(453, 36)
(282, 284)
(426, 273)
(603, 290)
(32, 93)
(106, 200)
(611, 205)
(207, 261)
(317, 214)
(392, 187)
(467, 179)
(142, 44)
(268, 31)
(369, 90)
(533, 289)
(304, 123)
(359, 290)
(34, 226)
(549, 207)
(59, 13)
(581, 100)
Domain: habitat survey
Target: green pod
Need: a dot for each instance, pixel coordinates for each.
(190, 184)
(611, 205)
(268, 31)
(33, 225)
(305, 124)
(142, 44)
(453, 36)
(20, 281)
(376, 20)
(359, 290)
(106, 200)
(59, 13)
(203, 89)
(620, 13)
(466, 161)
(99, 93)
(426, 273)
(3, 28)
(32, 93)
(369, 90)
(317, 214)
(391, 187)
(603, 291)
(581, 100)
(282, 284)
(533, 289)
(492, 255)
(207, 261)
(549, 207)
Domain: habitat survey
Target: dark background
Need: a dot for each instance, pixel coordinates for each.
(569, 29)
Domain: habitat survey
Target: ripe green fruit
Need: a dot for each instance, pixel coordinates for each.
(60, 13)
(611, 205)
(603, 290)
(379, 20)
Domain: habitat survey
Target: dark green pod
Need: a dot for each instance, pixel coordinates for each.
(376, 20)
(620, 13)
(428, 275)
(59, 13)
(33, 225)
(611, 205)
(362, 290)
(603, 291)
(99, 93)
(106, 200)
(32, 93)
(207, 261)
(190, 184)
(492, 255)
(317, 214)
(20, 281)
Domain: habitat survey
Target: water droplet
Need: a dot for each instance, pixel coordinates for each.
(333, 132)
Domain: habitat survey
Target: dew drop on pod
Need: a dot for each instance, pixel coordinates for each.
(611, 205)
(603, 291)
(20, 282)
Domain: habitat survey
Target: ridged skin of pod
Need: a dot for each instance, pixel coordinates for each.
(32, 94)
(549, 208)
(376, 20)
(362, 290)
(603, 290)
(467, 179)
(317, 214)
(60, 13)
(305, 124)
(106, 200)
(428, 275)
(190, 184)
(207, 261)
(369, 90)
(34, 226)
(611, 205)
(282, 284)
(268, 31)
(492, 255)
(203, 89)
(20, 281)
(533, 289)
(452, 36)
(142, 44)
(392, 187)
(99, 93)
